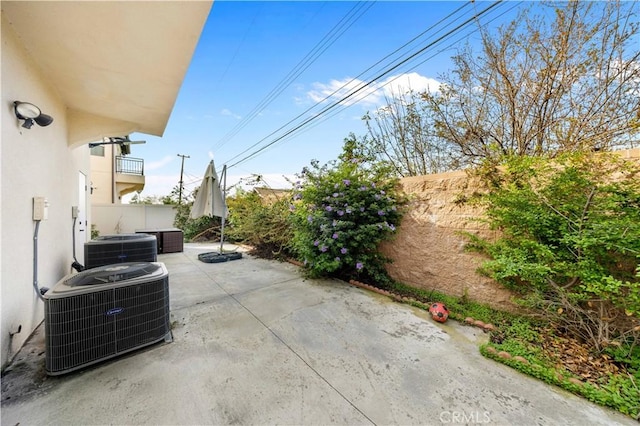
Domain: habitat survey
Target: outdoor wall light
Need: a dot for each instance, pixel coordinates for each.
(30, 113)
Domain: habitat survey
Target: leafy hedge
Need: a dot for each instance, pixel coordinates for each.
(265, 225)
(570, 241)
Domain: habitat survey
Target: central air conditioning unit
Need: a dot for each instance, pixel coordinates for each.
(110, 249)
(105, 312)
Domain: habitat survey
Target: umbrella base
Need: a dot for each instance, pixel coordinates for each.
(215, 257)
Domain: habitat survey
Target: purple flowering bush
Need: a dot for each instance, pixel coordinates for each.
(343, 211)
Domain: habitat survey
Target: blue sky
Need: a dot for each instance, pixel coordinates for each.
(245, 54)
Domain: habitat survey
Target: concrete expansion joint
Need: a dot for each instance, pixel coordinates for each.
(301, 358)
(320, 376)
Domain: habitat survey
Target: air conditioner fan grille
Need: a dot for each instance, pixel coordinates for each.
(111, 274)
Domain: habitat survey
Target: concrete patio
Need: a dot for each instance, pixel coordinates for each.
(255, 343)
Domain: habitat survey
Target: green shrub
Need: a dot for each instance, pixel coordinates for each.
(570, 240)
(94, 232)
(265, 225)
(205, 226)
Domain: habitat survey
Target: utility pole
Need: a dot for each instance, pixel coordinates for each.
(181, 172)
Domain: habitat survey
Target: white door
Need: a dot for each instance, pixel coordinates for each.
(81, 231)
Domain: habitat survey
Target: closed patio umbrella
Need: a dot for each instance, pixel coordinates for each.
(210, 201)
(210, 198)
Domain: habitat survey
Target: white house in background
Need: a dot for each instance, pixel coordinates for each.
(100, 69)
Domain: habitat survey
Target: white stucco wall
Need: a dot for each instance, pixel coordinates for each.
(34, 162)
(112, 219)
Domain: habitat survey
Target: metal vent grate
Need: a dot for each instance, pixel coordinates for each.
(78, 331)
(145, 316)
(111, 273)
(86, 328)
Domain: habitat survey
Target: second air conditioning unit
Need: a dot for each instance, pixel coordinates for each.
(120, 248)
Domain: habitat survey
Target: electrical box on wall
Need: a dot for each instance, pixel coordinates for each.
(40, 208)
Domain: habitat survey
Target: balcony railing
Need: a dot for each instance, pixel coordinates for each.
(129, 166)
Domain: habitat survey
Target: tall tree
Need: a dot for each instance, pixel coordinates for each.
(403, 135)
(546, 85)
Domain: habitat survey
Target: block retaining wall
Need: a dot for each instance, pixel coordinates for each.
(428, 251)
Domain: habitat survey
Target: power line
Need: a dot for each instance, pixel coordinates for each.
(244, 37)
(329, 39)
(364, 95)
(353, 79)
(353, 92)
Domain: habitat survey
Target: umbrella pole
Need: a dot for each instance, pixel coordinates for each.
(224, 205)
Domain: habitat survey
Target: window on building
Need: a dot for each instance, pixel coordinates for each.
(98, 151)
